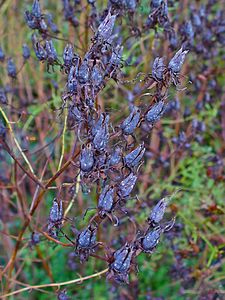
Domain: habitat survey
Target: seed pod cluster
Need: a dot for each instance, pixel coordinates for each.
(109, 156)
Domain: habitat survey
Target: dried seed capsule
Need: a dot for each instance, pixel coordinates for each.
(177, 61)
(122, 263)
(106, 27)
(155, 112)
(98, 124)
(72, 80)
(31, 20)
(68, 55)
(52, 25)
(2, 55)
(87, 238)
(2, 131)
(196, 20)
(26, 52)
(101, 137)
(83, 73)
(127, 185)
(35, 238)
(155, 3)
(151, 239)
(158, 69)
(133, 158)
(158, 211)
(40, 52)
(130, 5)
(3, 96)
(56, 212)
(96, 76)
(86, 158)
(36, 9)
(130, 123)
(105, 201)
(51, 51)
(122, 258)
(115, 157)
(74, 116)
(62, 295)
(188, 30)
(42, 25)
(116, 56)
(11, 68)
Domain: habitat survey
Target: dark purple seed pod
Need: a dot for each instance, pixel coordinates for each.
(151, 239)
(187, 112)
(122, 259)
(106, 27)
(74, 115)
(101, 137)
(3, 96)
(182, 137)
(173, 40)
(83, 73)
(51, 51)
(74, 21)
(51, 24)
(133, 158)
(40, 52)
(11, 68)
(98, 124)
(194, 124)
(115, 157)
(158, 211)
(42, 25)
(30, 20)
(201, 127)
(151, 21)
(87, 158)
(72, 80)
(96, 76)
(56, 212)
(177, 61)
(131, 122)
(122, 263)
(2, 130)
(116, 56)
(105, 201)
(131, 5)
(87, 238)
(62, 295)
(127, 185)
(2, 55)
(35, 238)
(68, 55)
(196, 20)
(36, 9)
(158, 69)
(155, 3)
(188, 30)
(26, 52)
(155, 112)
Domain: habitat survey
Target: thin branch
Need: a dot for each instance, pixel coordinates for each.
(63, 139)
(15, 140)
(33, 287)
